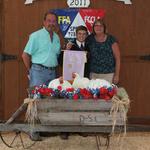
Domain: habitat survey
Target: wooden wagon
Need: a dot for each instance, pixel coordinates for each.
(64, 115)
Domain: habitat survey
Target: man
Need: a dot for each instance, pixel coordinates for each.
(40, 55)
(79, 44)
(41, 52)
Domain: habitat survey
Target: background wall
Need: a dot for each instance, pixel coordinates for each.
(130, 24)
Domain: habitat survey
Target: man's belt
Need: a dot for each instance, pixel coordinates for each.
(45, 67)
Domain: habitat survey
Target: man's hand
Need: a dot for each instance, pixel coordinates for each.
(28, 76)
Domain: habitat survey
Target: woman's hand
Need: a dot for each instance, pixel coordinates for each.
(115, 79)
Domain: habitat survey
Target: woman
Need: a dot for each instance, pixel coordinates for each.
(104, 54)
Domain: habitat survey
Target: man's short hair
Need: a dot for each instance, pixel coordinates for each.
(81, 28)
(50, 12)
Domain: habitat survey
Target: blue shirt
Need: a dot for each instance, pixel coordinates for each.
(42, 49)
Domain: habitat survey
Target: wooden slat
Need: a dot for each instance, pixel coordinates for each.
(56, 105)
(57, 128)
(92, 129)
(69, 112)
(1, 66)
(78, 118)
(135, 59)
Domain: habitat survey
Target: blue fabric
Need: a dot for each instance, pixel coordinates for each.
(101, 54)
(40, 75)
(42, 49)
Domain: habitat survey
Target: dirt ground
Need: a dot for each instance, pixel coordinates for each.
(132, 141)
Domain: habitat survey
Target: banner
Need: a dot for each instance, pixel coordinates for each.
(69, 19)
(73, 61)
(74, 2)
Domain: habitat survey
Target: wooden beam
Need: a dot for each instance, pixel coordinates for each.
(2, 27)
(17, 113)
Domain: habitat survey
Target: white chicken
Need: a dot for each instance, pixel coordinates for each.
(59, 82)
(98, 83)
(80, 82)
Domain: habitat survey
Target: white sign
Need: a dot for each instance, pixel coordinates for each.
(78, 3)
(28, 1)
(126, 1)
(73, 61)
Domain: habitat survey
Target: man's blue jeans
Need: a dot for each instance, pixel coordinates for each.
(40, 75)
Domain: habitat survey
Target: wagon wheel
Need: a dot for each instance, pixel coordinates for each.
(99, 141)
(16, 139)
